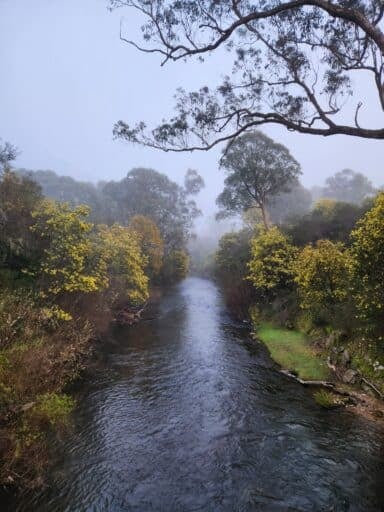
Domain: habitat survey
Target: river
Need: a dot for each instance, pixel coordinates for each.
(191, 415)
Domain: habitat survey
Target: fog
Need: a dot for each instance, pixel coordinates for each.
(67, 78)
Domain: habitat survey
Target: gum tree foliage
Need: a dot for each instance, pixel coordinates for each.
(294, 64)
(368, 256)
(257, 169)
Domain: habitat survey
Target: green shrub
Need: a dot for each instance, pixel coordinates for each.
(54, 408)
(327, 399)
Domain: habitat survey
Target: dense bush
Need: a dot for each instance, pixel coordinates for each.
(271, 267)
(323, 277)
(230, 263)
(368, 268)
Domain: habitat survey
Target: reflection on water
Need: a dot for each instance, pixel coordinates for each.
(198, 419)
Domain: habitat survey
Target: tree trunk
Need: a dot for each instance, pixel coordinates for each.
(265, 215)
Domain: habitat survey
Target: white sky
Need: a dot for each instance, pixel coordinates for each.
(67, 78)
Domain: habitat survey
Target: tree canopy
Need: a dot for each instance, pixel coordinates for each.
(152, 194)
(293, 64)
(257, 169)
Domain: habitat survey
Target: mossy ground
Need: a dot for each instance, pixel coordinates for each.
(292, 350)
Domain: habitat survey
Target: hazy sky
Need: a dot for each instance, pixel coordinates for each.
(67, 77)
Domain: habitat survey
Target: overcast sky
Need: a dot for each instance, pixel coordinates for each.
(67, 78)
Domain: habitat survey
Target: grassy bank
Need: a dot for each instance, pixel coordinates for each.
(292, 351)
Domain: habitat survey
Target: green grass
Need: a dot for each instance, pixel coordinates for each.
(326, 399)
(292, 351)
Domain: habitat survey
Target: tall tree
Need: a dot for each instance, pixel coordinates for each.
(257, 169)
(293, 64)
(152, 194)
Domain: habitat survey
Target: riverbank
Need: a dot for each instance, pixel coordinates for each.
(44, 361)
(292, 351)
(186, 413)
(309, 363)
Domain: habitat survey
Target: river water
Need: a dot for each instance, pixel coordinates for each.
(191, 415)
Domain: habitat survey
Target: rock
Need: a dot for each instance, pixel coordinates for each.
(350, 376)
(345, 358)
(27, 406)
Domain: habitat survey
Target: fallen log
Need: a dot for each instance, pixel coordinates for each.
(373, 387)
(322, 383)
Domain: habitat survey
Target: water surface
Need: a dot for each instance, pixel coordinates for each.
(191, 415)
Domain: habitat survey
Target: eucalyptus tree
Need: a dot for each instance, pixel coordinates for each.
(293, 64)
(257, 169)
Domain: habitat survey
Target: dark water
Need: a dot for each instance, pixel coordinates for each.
(197, 418)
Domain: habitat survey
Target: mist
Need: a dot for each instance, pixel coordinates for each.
(68, 78)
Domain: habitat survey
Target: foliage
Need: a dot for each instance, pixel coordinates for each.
(329, 219)
(65, 266)
(40, 355)
(368, 258)
(176, 266)
(151, 243)
(152, 194)
(193, 182)
(231, 261)
(348, 186)
(233, 253)
(68, 190)
(8, 153)
(292, 350)
(257, 169)
(18, 198)
(368, 359)
(124, 262)
(323, 276)
(293, 64)
(326, 399)
(54, 408)
(271, 263)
